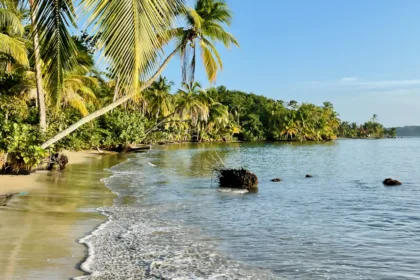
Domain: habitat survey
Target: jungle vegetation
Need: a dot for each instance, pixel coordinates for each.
(53, 96)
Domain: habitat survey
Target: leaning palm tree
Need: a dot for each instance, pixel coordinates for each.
(132, 48)
(205, 28)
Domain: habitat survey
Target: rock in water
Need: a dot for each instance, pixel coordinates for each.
(58, 162)
(391, 182)
(276, 180)
(308, 176)
(238, 179)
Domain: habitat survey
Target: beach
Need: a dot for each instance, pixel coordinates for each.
(41, 225)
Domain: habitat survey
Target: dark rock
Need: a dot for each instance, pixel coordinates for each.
(391, 182)
(238, 179)
(58, 162)
(308, 176)
(276, 180)
(4, 198)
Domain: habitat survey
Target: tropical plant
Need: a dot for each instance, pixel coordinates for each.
(159, 99)
(205, 26)
(12, 47)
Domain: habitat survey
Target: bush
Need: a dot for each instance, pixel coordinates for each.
(21, 143)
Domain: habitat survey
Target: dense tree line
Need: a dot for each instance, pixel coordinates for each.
(370, 129)
(53, 97)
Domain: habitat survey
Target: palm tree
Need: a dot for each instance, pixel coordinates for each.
(78, 91)
(290, 129)
(236, 110)
(205, 27)
(131, 47)
(193, 103)
(159, 98)
(11, 32)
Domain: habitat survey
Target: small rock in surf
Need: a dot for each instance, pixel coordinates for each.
(391, 182)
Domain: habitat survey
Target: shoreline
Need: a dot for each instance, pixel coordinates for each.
(57, 209)
(24, 183)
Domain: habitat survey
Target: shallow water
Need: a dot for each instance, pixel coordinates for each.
(39, 229)
(170, 222)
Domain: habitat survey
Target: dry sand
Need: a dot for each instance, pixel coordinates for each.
(24, 183)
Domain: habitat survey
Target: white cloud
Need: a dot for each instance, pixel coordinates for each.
(356, 84)
(348, 79)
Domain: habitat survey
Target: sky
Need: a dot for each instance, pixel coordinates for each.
(361, 55)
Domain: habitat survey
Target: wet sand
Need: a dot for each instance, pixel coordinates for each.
(40, 227)
(17, 184)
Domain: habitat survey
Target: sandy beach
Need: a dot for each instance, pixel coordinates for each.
(41, 225)
(25, 183)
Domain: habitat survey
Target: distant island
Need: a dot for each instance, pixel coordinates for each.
(412, 130)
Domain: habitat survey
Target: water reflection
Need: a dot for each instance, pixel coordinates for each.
(39, 230)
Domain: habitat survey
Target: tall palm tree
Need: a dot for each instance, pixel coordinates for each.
(131, 47)
(205, 27)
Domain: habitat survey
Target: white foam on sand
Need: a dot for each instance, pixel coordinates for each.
(234, 191)
(136, 243)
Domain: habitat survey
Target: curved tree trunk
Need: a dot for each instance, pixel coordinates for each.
(109, 107)
(38, 72)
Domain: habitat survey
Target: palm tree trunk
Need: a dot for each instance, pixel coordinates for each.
(116, 89)
(38, 72)
(109, 107)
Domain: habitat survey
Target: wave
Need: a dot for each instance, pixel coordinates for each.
(137, 243)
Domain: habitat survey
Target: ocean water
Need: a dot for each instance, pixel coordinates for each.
(169, 220)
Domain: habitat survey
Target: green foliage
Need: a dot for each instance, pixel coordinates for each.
(205, 27)
(74, 88)
(122, 128)
(260, 118)
(370, 129)
(21, 142)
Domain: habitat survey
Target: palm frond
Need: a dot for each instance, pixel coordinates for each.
(213, 49)
(14, 48)
(210, 64)
(10, 22)
(53, 18)
(193, 18)
(216, 32)
(131, 34)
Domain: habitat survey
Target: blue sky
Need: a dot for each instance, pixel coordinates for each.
(362, 55)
